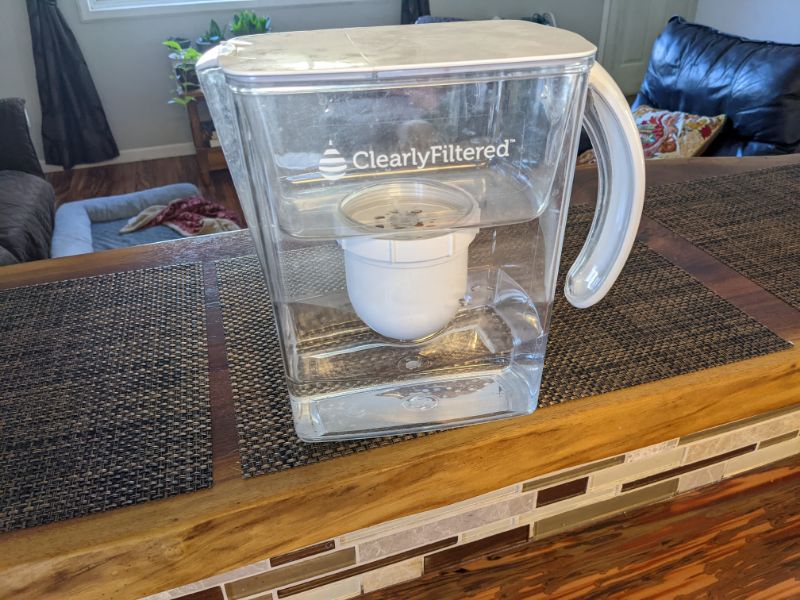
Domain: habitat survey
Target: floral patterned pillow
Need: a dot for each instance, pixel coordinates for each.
(668, 134)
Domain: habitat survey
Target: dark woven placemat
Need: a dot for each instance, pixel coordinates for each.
(657, 322)
(750, 222)
(103, 394)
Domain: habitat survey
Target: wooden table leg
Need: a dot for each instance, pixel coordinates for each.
(199, 143)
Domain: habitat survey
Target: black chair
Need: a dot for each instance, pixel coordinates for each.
(697, 69)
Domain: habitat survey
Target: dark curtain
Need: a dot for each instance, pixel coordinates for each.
(413, 10)
(74, 125)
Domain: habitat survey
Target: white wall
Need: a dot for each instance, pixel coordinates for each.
(581, 16)
(130, 67)
(17, 75)
(773, 20)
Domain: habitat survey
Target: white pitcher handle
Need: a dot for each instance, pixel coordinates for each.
(620, 196)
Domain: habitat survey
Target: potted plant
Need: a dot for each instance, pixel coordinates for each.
(212, 37)
(183, 66)
(183, 42)
(248, 23)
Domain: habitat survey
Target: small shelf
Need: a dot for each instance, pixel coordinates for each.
(209, 134)
(198, 93)
(209, 158)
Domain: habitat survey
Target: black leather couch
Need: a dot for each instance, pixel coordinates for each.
(697, 69)
(27, 201)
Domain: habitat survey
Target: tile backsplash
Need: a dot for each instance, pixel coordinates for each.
(401, 550)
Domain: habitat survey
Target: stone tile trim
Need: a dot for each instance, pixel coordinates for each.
(448, 526)
(393, 574)
(207, 594)
(477, 548)
(701, 477)
(773, 453)
(562, 491)
(241, 588)
(338, 590)
(401, 550)
(572, 473)
(706, 433)
(648, 451)
(489, 530)
(632, 485)
(366, 567)
(288, 557)
(778, 439)
(592, 512)
(649, 464)
(750, 433)
(405, 523)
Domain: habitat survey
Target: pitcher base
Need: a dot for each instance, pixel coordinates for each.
(399, 409)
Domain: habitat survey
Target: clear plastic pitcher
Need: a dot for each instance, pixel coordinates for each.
(406, 188)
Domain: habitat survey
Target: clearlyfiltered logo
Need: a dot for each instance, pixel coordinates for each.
(332, 166)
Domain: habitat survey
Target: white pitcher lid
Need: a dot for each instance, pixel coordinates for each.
(396, 50)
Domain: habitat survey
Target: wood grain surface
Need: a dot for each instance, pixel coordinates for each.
(163, 544)
(736, 539)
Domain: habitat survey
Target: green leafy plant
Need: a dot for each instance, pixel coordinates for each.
(213, 35)
(182, 43)
(183, 66)
(247, 23)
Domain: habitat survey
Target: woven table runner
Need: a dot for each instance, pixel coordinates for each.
(103, 394)
(750, 222)
(657, 322)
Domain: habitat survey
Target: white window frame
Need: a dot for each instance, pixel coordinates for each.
(94, 10)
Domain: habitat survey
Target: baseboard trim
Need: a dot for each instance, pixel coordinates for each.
(134, 155)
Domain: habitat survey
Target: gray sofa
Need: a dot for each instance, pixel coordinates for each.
(27, 201)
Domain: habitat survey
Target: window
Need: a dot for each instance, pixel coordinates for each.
(91, 10)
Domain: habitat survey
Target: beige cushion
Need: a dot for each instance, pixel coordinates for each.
(671, 134)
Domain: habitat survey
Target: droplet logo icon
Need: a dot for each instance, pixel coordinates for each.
(332, 165)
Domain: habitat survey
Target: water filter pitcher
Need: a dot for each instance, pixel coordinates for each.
(406, 188)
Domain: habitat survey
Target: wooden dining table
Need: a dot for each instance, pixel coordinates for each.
(162, 544)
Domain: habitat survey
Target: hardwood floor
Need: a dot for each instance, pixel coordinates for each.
(124, 178)
(736, 539)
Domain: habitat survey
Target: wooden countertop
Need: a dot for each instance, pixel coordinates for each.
(159, 545)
